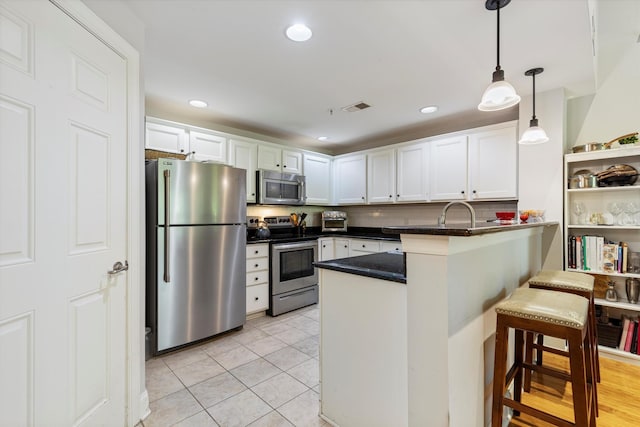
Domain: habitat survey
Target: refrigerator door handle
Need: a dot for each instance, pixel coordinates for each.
(167, 223)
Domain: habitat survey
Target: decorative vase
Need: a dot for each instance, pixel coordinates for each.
(611, 294)
(633, 289)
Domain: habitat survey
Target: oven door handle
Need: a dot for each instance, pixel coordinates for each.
(295, 245)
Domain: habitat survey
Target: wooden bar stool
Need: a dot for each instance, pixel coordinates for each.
(550, 313)
(573, 283)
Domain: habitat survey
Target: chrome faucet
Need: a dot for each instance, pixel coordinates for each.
(443, 216)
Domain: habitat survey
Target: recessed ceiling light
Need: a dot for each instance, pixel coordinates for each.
(323, 138)
(197, 103)
(430, 109)
(298, 33)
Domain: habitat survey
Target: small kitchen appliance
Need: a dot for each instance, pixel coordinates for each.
(276, 188)
(334, 221)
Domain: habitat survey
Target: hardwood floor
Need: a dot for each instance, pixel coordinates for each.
(618, 395)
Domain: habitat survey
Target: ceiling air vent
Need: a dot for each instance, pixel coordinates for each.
(356, 107)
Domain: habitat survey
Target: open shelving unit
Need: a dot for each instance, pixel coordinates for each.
(597, 220)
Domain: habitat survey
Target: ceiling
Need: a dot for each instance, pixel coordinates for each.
(397, 56)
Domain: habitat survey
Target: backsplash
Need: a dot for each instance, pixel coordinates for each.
(313, 212)
(389, 215)
(421, 214)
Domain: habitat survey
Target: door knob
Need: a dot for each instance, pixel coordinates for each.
(119, 268)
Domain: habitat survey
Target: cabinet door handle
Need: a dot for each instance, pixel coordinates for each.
(462, 192)
(256, 265)
(278, 165)
(397, 195)
(364, 246)
(255, 278)
(345, 246)
(284, 166)
(324, 246)
(255, 252)
(256, 298)
(362, 197)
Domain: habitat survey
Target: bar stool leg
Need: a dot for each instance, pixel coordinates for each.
(499, 372)
(578, 380)
(517, 381)
(528, 358)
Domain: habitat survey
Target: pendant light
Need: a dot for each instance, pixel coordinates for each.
(535, 134)
(500, 94)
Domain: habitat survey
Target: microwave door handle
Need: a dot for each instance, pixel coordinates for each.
(167, 223)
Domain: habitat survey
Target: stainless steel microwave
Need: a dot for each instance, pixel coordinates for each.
(276, 188)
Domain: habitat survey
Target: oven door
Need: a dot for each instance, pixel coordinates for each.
(292, 266)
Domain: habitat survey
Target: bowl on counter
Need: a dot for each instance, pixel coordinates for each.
(505, 216)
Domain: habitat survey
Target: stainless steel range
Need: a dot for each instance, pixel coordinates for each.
(294, 279)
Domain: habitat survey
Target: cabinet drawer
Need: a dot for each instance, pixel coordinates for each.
(257, 298)
(257, 264)
(257, 277)
(257, 251)
(391, 246)
(365, 245)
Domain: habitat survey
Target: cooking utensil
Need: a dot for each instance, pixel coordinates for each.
(618, 175)
(263, 231)
(302, 217)
(594, 146)
(583, 178)
(294, 219)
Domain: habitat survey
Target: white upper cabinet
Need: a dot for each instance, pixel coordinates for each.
(244, 155)
(350, 179)
(412, 173)
(280, 160)
(196, 143)
(207, 146)
(449, 168)
(493, 164)
(381, 176)
(317, 171)
(165, 137)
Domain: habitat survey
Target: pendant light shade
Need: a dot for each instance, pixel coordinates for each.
(500, 94)
(535, 134)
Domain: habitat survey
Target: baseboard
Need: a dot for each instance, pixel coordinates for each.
(144, 405)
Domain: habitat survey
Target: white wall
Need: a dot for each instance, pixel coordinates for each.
(615, 108)
(540, 171)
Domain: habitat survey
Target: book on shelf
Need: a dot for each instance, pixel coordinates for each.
(634, 338)
(597, 254)
(625, 329)
(629, 338)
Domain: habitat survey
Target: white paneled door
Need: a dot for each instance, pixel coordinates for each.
(63, 221)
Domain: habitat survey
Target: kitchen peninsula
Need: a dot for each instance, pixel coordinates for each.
(420, 353)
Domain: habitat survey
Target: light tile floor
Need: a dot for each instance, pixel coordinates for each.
(265, 375)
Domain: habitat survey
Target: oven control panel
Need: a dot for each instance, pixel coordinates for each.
(278, 221)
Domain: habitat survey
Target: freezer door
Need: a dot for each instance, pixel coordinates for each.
(201, 193)
(206, 294)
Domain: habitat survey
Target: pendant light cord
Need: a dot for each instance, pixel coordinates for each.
(534, 96)
(498, 39)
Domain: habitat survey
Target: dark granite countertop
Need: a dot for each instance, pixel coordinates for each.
(312, 233)
(384, 265)
(462, 229)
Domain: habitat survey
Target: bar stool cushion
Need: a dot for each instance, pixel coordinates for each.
(547, 306)
(563, 280)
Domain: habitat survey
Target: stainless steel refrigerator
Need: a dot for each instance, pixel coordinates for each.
(196, 249)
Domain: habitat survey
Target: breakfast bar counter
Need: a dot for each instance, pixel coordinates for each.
(421, 353)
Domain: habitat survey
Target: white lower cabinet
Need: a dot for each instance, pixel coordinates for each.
(390, 246)
(325, 248)
(257, 277)
(341, 248)
(363, 247)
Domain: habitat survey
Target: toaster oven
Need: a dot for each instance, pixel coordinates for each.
(334, 221)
